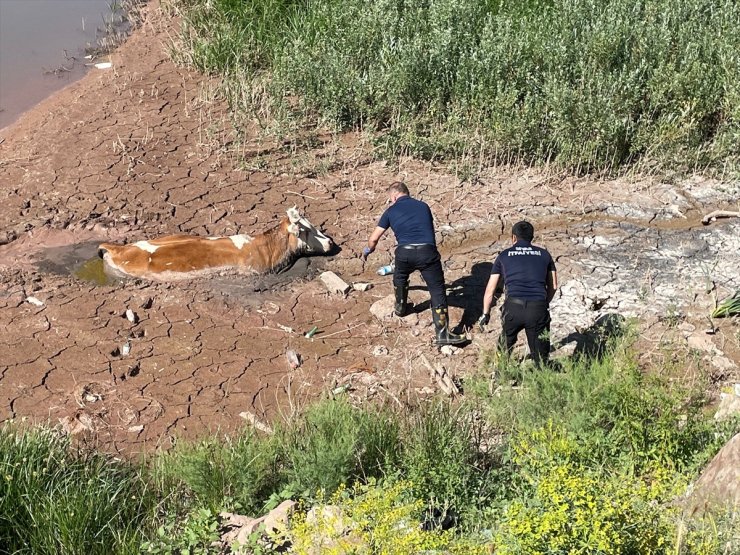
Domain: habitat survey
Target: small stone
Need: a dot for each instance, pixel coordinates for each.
(34, 301)
(136, 429)
(255, 422)
(729, 406)
(131, 316)
(362, 286)
(125, 349)
(449, 350)
(380, 351)
(294, 359)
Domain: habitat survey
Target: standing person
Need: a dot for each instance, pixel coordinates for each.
(412, 224)
(530, 281)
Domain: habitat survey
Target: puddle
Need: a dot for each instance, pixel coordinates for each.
(43, 44)
(80, 260)
(93, 271)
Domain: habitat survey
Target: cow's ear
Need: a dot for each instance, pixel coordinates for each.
(294, 229)
(293, 214)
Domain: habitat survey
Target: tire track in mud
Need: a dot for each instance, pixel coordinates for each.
(132, 153)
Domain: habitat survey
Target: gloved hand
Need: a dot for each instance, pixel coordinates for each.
(366, 252)
(483, 321)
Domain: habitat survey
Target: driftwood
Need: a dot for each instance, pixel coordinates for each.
(443, 379)
(712, 216)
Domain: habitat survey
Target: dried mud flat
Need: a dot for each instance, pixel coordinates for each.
(132, 153)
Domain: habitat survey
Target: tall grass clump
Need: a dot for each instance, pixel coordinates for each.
(588, 86)
(442, 457)
(56, 499)
(329, 444)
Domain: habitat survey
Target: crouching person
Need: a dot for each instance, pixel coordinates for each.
(530, 280)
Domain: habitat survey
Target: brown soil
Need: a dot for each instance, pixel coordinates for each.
(135, 152)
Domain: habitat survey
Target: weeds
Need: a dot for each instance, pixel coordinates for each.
(728, 307)
(55, 499)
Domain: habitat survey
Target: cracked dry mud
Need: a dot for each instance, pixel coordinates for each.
(132, 153)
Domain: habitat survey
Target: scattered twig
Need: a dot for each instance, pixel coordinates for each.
(712, 216)
(302, 195)
(341, 331)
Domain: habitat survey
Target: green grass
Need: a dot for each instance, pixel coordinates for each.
(588, 86)
(57, 500)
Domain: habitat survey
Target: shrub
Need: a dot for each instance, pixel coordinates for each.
(620, 414)
(194, 534)
(235, 474)
(371, 518)
(573, 507)
(442, 459)
(334, 443)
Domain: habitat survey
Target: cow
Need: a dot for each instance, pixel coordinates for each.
(183, 256)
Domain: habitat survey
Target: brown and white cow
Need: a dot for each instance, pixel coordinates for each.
(184, 256)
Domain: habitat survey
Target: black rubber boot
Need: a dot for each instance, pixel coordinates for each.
(402, 295)
(442, 330)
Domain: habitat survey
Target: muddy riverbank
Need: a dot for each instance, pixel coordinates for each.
(135, 152)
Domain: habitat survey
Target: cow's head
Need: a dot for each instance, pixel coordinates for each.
(310, 239)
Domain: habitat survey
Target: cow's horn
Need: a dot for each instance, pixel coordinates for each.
(293, 214)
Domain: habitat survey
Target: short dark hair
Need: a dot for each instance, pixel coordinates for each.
(399, 187)
(523, 230)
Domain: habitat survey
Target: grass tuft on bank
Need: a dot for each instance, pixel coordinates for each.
(587, 86)
(55, 498)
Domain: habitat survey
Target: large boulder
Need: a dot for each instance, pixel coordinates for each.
(718, 487)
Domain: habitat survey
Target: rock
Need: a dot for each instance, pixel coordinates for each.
(360, 286)
(34, 301)
(245, 531)
(334, 283)
(718, 486)
(237, 528)
(565, 351)
(131, 316)
(73, 425)
(449, 350)
(294, 359)
(279, 517)
(328, 517)
(380, 351)
(729, 404)
(383, 309)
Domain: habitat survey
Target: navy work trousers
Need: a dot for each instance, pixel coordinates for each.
(534, 318)
(426, 259)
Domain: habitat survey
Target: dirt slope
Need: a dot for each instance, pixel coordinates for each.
(133, 152)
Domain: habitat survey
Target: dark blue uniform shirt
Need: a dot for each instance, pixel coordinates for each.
(524, 268)
(411, 221)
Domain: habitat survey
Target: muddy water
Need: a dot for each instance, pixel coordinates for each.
(42, 48)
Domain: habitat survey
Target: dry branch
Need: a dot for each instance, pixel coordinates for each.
(712, 216)
(443, 379)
